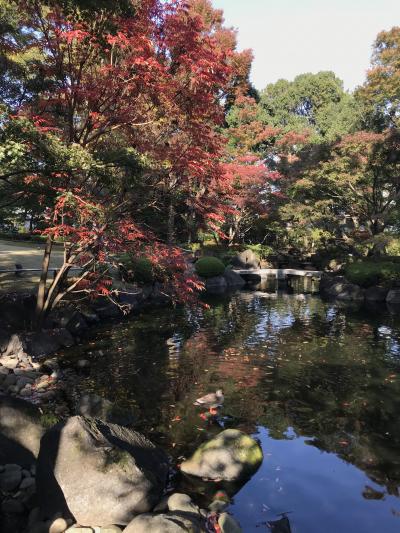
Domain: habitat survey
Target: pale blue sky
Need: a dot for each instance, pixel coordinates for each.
(289, 37)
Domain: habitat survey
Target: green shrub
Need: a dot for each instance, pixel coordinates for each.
(262, 250)
(140, 268)
(13, 236)
(393, 247)
(369, 273)
(207, 267)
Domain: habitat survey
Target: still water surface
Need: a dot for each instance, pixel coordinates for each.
(318, 385)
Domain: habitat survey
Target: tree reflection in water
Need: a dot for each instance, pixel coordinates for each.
(330, 374)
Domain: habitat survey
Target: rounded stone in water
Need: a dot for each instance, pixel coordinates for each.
(230, 456)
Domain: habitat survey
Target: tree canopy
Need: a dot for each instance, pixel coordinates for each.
(131, 127)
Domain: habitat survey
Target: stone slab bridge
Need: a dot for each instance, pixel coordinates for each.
(278, 273)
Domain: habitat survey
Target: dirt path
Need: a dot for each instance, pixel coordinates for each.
(29, 255)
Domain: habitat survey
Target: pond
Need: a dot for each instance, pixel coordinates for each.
(317, 384)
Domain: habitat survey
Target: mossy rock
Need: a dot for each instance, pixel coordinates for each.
(21, 428)
(209, 267)
(101, 473)
(246, 260)
(230, 456)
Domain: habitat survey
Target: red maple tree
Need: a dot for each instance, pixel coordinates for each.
(155, 81)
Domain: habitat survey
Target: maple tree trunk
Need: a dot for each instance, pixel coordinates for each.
(231, 236)
(41, 294)
(171, 222)
(192, 227)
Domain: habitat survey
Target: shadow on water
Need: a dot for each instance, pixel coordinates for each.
(317, 383)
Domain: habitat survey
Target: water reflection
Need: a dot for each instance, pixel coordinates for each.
(319, 385)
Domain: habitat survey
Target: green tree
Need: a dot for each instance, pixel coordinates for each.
(313, 102)
(352, 194)
(380, 93)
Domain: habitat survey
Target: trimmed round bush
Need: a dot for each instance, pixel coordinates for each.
(208, 267)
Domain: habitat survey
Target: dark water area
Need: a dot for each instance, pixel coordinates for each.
(317, 384)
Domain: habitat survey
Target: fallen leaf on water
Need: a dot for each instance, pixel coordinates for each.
(369, 493)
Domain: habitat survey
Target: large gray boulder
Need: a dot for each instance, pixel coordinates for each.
(4, 340)
(228, 524)
(233, 279)
(99, 473)
(376, 294)
(177, 522)
(393, 296)
(179, 514)
(104, 309)
(16, 347)
(327, 281)
(47, 342)
(246, 259)
(340, 289)
(20, 431)
(68, 317)
(230, 456)
(95, 406)
(216, 284)
(130, 297)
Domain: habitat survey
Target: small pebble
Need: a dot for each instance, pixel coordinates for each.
(27, 482)
(42, 384)
(58, 526)
(10, 478)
